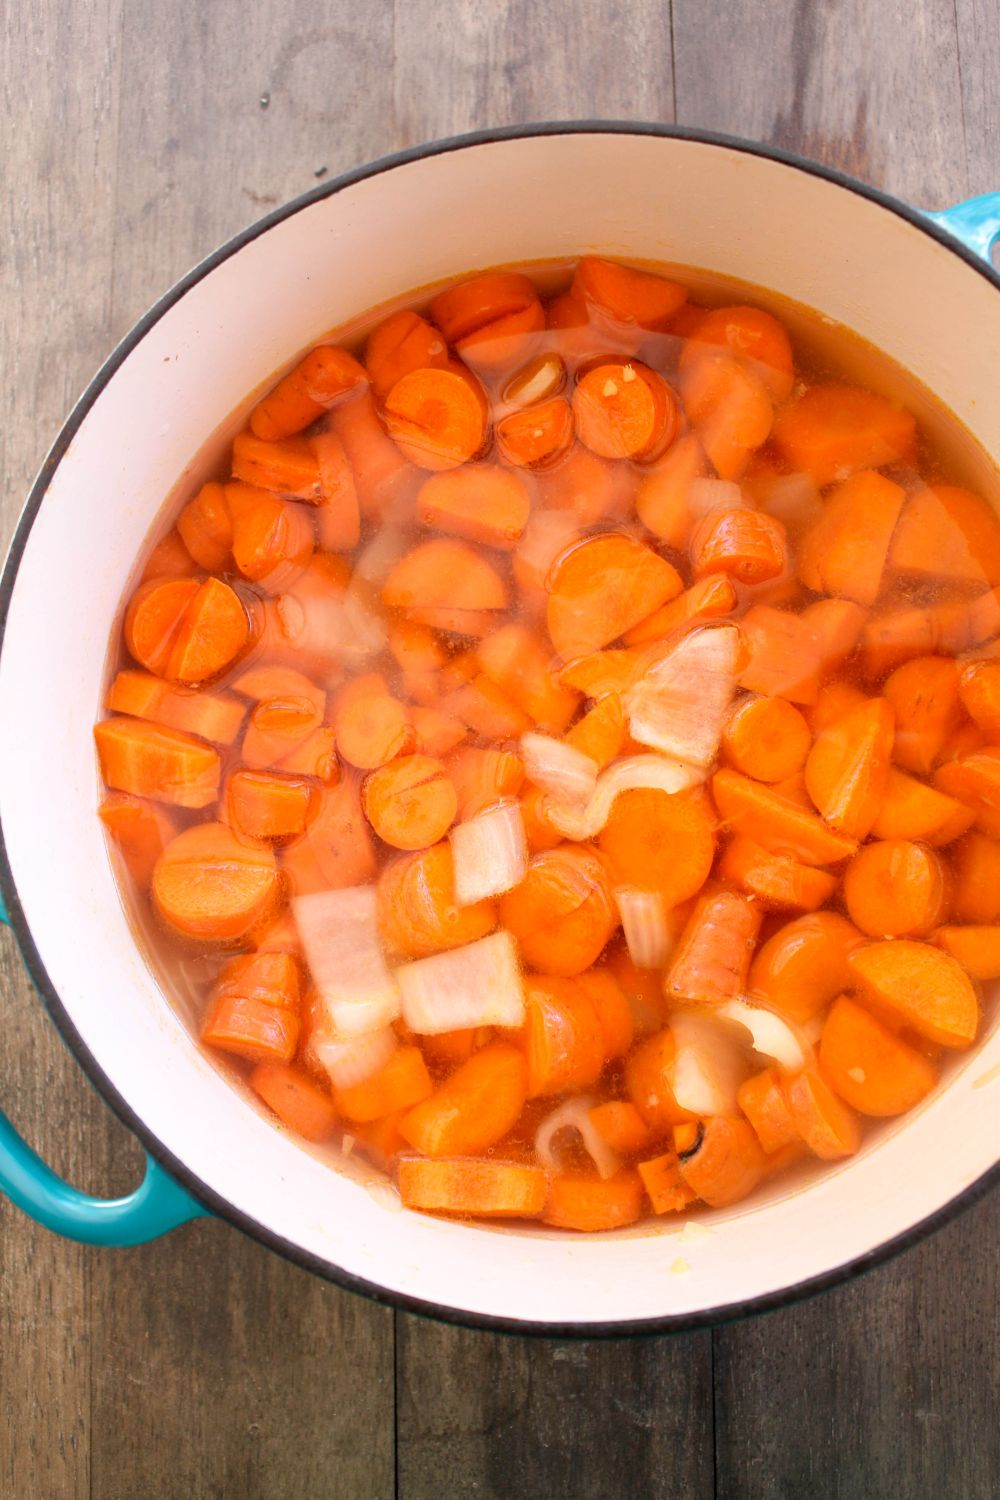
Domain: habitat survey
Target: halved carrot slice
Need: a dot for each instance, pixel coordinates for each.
(726, 1162)
(919, 986)
(762, 1100)
(212, 716)
(832, 431)
(206, 528)
(562, 913)
(647, 1078)
(474, 1108)
(264, 806)
(924, 696)
(463, 1185)
(601, 588)
(779, 882)
(828, 1126)
(562, 1036)
(296, 1099)
(894, 888)
(480, 502)
(913, 810)
(209, 884)
(666, 1189)
(592, 1204)
(845, 551)
(403, 343)
(437, 417)
(399, 1084)
(324, 376)
(949, 534)
(761, 813)
(977, 949)
(214, 630)
(410, 802)
(803, 965)
(627, 295)
(139, 828)
(288, 467)
(870, 1067)
(150, 761)
(848, 767)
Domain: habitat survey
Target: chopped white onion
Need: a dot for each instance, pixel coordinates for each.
(351, 1059)
(679, 704)
(792, 499)
(490, 853)
(633, 773)
(704, 496)
(812, 1029)
(574, 1114)
(558, 769)
(547, 535)
(476, 985)
(709, 1063)
(646, 927)
(769, 1034)
(336, 625)
(339, 936)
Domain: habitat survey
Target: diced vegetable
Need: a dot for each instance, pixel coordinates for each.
(490, 853)
(339, 935)
(680, 704)
(574, 1115)
(478, 985)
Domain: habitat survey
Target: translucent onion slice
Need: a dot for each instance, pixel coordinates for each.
(646, 926)
(709, 1063)
(679, 704)
(477, 985)
(771, 1036)
(340, 940)
(707, 495)
(574, 1114)
(490, 853)
(351, 1059)
(557, 768)
(630, 774)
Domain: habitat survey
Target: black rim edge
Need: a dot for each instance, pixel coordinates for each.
(644, 1327)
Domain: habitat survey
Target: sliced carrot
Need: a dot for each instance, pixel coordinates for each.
(592, 1204)
(296, 1099)
(474, 1108)
(403, 343)
(712, 959)
(214, 630)
(437, 417)
(153, 619)
(264, 806)
(213, 716)
(338, 515)
(538, 831)
(538, 435)
(647, 1078)
(913, 810)
(209, 884)
(833, 701)
(562, 913)
(966, 740)
(603, 672)
(486, 710)
(272, 977)
(898, 635)
(614, 1013)
(977, 949)
(975, 780)
(729, 408)
(373, 730)
(919, 986)
(289, 467)
(848, 767)
(766, 738)
(624, 410)
(845, 551)
(486, 1189)
(336, 849)
(793, 789)
(519, 663)
(410, 802)
(446, 1049)
(206, 528)
(251, 1028)
(436, 733)
(666, 1189)
(400, 1084)
(563, 1040)
(662, 502)
(726, 1163)
(660, 842)
(761, 813)
(782, 655)
(482, 778)
(169, 559)
(314, 756)
(627, 295)
(833, 431)
(708, 599)
(893, 888)
(417, 910)
(272, 538)
(491, 319)
(140, 829)
(778, 881)
(924, 696)
(601, 732)
(265, 682)
(380, 471)
(827, 1125)
(578, 337)
(803, 965)
(481, 503)
(277, 729)
(324, 376)
(415, 648)
(975, 866)
(752, 336)
(443, 583)
(589, 488)
(948, 534)
(621, 1126)
(745, 544)
(870, 1067)
(601, 588)
(278, 936)
(150, 761)
(762, 1100)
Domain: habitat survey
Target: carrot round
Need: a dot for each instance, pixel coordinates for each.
(264, 806)
(832, 431)
(482, 503)
(445, 584)
(403, 343)
(472, 1109)
(399, 1084)
(621, 1126)
(761, 813)
(827, 1125)
(624, 410)
(562, 913)
(920, 987)
(766, 738)
(248, 1027)
(289, 466)
(592, 1204)
(519, 662)
(726, 1164)
(417, 910)
(601, 732)
(647, 1078)
(656, 841)
(977, 949)
(537, 435)
(380, 471)
(893, 888)
(153, 619)
(410, 802)
(924, 696)
(627, 295)
(140, 829)
(913, 810)
(217, 717)
(562, 1036)
(848, 767)
(373, 730)
(762, 1100)
(665, 1187)
(209, 884)
(482, 778)
(745, 544)
(324, 376)
(151, 761)
(753, 336)
(729, 409)
(206, 528)
(778, 881)
(272, 539)
(803, 965)
(491, 319)
(711, 961)
(845, 551)
(949, 534)
(870, 1067)
(277, 728)
(466, 1186)
(296, 1099)
(601, 588)
(663, 499)
(436, 417)
(169, 559)
(709, 599)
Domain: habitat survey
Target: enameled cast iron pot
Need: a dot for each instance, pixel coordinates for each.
(917, 286)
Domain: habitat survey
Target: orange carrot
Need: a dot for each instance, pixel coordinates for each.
(264, 806)
(977, 949)
(848, 767)
(380, 471)
(975, 866)
(603, 587)
(491, 319)
(587, 487)
(150, 761)
(417, 910)
(779, 882)
(725, 1164)
(979, 690)
(403, 343)
(209, 884)
(752, 336)
(949, 534)
(845, 551)
(400, 1084)
(474, 1108)
(872, 1069)
(913, 810)
(762, 814)
(437, 417)
(314, 756)
(919, 986)
(271, 977)
(924, 696)
(486, 710)
(592, 1204)
(666, 1189)
(538, 831)
(603, 672)
(562, 1036)
(624, 411)
(537, 435)
(153, 619)
(711, 961)
(250, 1028)
(206, 528)
(436, 733)
(277, 728)
(708, 599)
(289, 467)
(446, 1049)
(520, 664)
(338, 515)
(482, 778)
(762, 1100)
(833, 701)
(298, 1102)
(601, 732)
(656, 841)
(782, 655)
(833, 431)
(373, 730)
(898, 635)
(443, 583)
(625, 294)
(213, 716)
(975, 780)
(766, 738)
(621, 1126)
(140, 829)
(828, 1126)
(662, 502)
(487, 1189)
(729, 408)
(803, 965)
(336, 849)
(647, 1078)
(272, 539)
(410, 802)
(482, 503)
(562, 913)
(415, 648)
(169, 559)
(745, 544)
(896, 889)
(323, 377)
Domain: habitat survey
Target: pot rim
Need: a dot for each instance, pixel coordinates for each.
(631, 1328)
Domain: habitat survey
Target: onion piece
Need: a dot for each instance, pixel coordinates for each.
(351, 1059)
(557, 768)
(771, 1036)
(476, 985)
(679, 704)
(574, 1114)
(648, 935)
(709, 1063)
(490, 853)
(705, 496)
(634, 772)
(339, 936)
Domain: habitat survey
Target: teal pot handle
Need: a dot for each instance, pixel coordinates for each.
(976, 222)
(156, 1206)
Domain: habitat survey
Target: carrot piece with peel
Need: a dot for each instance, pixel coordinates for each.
(726, 1163)
(473, 1108)
(437, 417)
(399, 1084)
(445, 584)
(381, 473)
(214, 630)
(153, 619)
(336, 849)
(712, 959)
(782, 655)
(754, 337)
(979, 690)
(801, 967)
(710, 598)
(924, 696)
(216, 717)
(266, 975)
(538, 435)
(410, 802)
(627, 295)
(205, 527)
(658, 841)
(418, 913)
(920, 987)
(729, 408)
(621, 1126)
(248, 1027)
(747, 545)
(169, 559)
(624, 410)
(562, 913)
(338, 514)
(273, 538)
(563, 1040)
(325, 375)
(209, 884)
(482, 778)
(779, 882)
(150, 761)
(487, 1189)
(975, 868)
(977, 949)
(403, 343)
(372, 730)
(296, 1099)
(893, 888)
(913, 810)
(833, 431)
(848, 767)
(480, 503)
(140, 829)
(766, 738)
(762, 1100)
(602, 587)
(288, 466)
(601, 732)
(264, 806)
(666, 1189)
(492, 319)
(648, 1072)
(870, 1067)
(845, 551)
(592, 1204)
(761, 813)
(950, 534)
(829, 1127)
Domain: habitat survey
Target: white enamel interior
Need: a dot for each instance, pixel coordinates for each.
(524, 199)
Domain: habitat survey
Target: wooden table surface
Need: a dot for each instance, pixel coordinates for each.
(140, 135)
